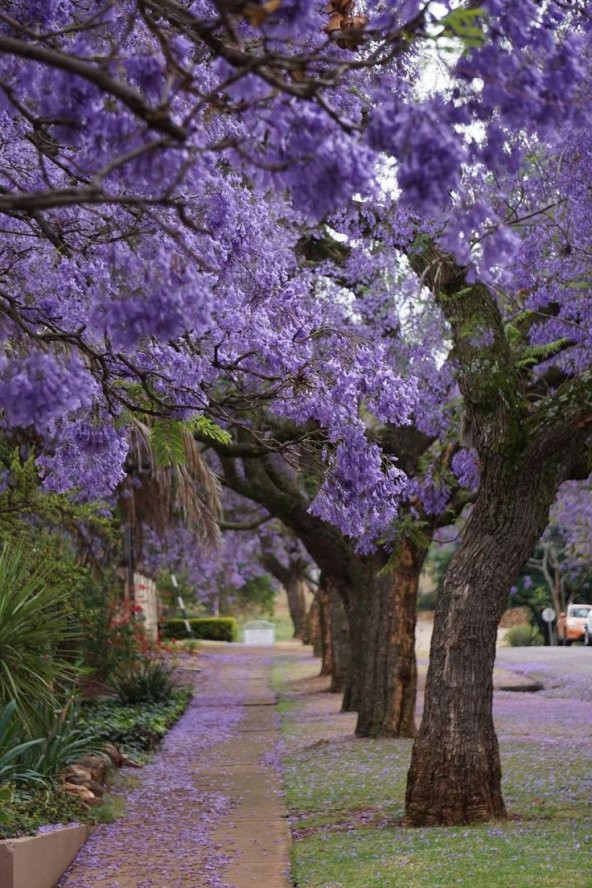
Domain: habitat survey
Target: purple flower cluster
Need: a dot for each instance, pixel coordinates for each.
(41, 389)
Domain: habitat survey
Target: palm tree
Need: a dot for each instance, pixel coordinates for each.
(168, 483)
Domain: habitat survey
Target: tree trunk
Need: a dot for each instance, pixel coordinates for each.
(312, 629)
(355, 610)
(324, 604)
(295, 587)
(389, 684)
(455, 773)
(340, 643)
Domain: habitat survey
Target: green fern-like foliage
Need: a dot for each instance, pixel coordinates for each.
(168, 438)
(206, 428)
(409, 528)
(465, 25)
(537, 354)
(167, 442)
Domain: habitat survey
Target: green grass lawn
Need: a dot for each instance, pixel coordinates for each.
(345, 798)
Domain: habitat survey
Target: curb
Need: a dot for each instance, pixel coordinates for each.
(39, 861)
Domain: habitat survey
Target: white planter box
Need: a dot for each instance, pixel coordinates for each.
(259, 632)
(39, 861)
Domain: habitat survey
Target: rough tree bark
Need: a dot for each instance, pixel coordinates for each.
(312, 629)
(292, 578)
(529, 441)
(389, 685)
(295, 590)
(455, 774)
(340, 642)
(326, 637)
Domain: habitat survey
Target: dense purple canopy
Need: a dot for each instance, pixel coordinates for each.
(165, 168)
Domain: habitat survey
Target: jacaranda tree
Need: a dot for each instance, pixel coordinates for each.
(161, 163)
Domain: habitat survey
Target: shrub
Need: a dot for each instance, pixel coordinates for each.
(34, 623)
(524, 635)
(207, 628)
(58, 741)
(13, 750)
(65, 741)
(145, 681)
(114, 638)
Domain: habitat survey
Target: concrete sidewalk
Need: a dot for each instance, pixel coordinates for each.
(255, 833)
(208, 811)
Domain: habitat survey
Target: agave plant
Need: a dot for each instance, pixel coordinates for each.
(34, 623)
(14, 753)
(64, 742)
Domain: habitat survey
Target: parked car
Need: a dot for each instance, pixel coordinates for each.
(588, 630)
(571, 625)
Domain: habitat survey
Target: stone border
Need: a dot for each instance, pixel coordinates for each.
(39, 861)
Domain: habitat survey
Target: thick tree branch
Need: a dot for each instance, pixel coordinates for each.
(156, 118)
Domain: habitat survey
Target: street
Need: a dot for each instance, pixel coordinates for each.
(565, 671)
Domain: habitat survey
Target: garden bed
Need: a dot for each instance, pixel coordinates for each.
(130, 730)
(43, 827)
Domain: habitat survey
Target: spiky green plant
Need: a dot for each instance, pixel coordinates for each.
(14, 752)
(145, 681)
(65, 741)
(35, 622)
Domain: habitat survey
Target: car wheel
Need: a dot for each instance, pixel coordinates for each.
(587, 639)
(567, 642)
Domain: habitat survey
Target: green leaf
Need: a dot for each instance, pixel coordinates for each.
(166, 439)
(464, 24)
(35, 629)
(209, 429)
(536, 354)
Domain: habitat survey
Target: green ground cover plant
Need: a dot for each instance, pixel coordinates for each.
(134, 728)
(150, 680)
(345, 798)
(26, 810)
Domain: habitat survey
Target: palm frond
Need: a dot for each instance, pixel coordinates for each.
(169, 482)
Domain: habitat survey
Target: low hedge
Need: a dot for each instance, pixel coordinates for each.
(207, 628)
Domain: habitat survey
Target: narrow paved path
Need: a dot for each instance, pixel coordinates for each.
(207, 812)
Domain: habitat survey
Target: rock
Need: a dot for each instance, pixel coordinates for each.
(83, 793)
(128, 763)
(93, 802)
(96, 788)
(114, 754)
(76, 775)
(97, 766)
